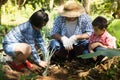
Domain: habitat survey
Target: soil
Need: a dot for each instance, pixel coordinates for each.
(78, 69)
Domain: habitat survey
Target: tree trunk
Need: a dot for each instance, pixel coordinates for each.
(116, 14)
(0, 12)
(86, 5)
(21, 3)
(51, 4)
(61, 2)
(118, 9)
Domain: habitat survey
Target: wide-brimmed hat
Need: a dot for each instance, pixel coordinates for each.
(71, 8)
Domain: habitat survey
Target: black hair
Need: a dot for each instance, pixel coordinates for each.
(100, 22)
(38, 18)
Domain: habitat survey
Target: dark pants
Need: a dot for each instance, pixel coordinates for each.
(78, 48)
(99, 58)
(96, 49)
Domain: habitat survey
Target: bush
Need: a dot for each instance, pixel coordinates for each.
(114, 29)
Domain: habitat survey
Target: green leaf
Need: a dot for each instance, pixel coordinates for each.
(108, 52)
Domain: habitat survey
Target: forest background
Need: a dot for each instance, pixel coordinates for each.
(15, 12)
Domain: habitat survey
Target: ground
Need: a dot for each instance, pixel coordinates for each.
(77, 69)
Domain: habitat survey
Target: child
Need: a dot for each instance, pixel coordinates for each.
(100, 39)
(19, 43)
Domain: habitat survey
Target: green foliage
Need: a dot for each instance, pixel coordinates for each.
(3, 30)
(108, 52)
(103, 7)
(110, 73)
(114, 29)
(12, 16)
(46, 29)
(1, 58)
(31, 76)
(1, 72)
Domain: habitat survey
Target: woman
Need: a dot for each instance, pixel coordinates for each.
(20, 42)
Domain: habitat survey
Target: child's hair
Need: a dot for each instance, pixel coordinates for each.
(38, 18)
(100, 22)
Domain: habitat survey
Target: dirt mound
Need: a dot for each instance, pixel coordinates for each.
(67, 70)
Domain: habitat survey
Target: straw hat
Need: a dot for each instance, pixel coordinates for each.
(71, 8)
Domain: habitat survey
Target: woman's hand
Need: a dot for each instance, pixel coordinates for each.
(43, 64)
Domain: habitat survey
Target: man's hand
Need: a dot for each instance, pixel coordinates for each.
(73, 39)
(67, 43)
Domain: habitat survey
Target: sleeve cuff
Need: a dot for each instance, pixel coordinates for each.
(37, 61)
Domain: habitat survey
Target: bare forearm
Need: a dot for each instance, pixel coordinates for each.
(103, 46)
(56, 36)
(96, 44)
(79, 36)
(82, 36)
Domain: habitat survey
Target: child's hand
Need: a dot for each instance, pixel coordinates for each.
(94, 45)
(90, 48)
(43, 64)
(91, 51)
(94, 58)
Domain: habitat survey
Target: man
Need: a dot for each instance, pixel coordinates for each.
(71, 29)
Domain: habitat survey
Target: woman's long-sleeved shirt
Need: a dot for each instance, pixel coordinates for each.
(24, 33)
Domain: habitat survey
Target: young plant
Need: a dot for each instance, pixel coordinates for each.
(47, 58)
